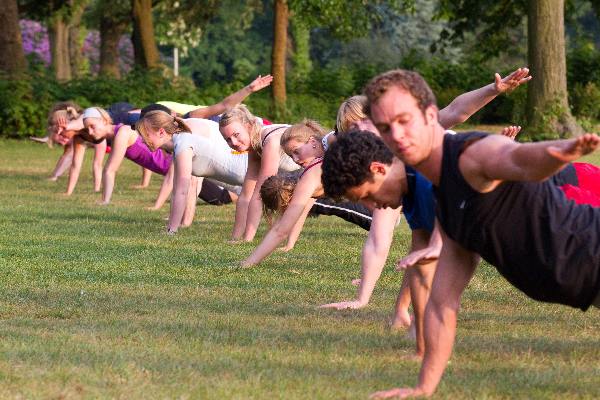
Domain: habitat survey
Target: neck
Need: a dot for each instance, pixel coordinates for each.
(431, 167)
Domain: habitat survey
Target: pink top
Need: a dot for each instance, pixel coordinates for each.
(156, 161)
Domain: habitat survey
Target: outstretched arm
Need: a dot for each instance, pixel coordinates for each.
(117, 154)
(165, 189)
(181, 185)
(234, 99)
(467, 104)
(374, 254)
(269, 164)
(497, 158)
(242, 204)
(294, 212)
(78, 154)
(454, 271)
(99, 152)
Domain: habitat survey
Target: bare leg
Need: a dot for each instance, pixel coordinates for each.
(402, 318)
(146, 175)
(63, 163)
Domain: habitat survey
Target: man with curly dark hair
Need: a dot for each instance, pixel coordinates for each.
(360, 167)
(494, 199)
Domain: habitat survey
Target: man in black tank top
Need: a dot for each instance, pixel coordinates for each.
(494, 199)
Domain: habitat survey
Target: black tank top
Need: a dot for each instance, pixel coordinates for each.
(543, 243)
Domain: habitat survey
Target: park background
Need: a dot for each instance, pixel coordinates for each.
(97, 302)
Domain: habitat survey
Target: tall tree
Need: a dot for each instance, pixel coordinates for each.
(60, 16)
(547, 97)
(113, 17)
(144, 42)
(547, 104)
(345, 18)
(11, 47)
(278, 55)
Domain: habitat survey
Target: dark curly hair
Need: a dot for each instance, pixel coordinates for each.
(409, 81)
(347, 161)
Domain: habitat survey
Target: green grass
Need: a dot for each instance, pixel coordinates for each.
(97, 302)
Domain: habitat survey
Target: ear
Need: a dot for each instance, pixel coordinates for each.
(431, 114)
(378, 168)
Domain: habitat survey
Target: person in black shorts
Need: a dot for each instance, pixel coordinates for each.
(493, 200)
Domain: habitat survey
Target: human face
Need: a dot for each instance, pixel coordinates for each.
(97, 128)
(364, 125)
(303, 153)
(236, 135)
(378, 191)
(155, 138)
(402, 125)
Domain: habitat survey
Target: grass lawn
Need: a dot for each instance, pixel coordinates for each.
(97, 302)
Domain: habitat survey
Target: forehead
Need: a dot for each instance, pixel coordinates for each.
(360, 192)
(394, 102)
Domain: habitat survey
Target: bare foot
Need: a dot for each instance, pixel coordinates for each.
(53, 178)
(356, 282)
(401, 321)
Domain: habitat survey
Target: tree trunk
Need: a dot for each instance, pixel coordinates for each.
(12, 60)
(144, 43)
(110, 34)
(58, 33)
(75, 41)
(548, 113)
(280, 25)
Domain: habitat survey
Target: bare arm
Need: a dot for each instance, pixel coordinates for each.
(181, 184)
(285, 225)
(63, 162)
(117, 154)
(99, 152)
(454, 271)
(78, 154)
(497, 158)
(241, 206)
(234, 99)
(297, 229)
(269, 164)
(467, 104)
(190, 206)
(165, 189)
(374, 254)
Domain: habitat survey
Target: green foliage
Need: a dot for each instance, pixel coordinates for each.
(585, 100)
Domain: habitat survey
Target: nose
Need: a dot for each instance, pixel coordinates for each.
(397, 133)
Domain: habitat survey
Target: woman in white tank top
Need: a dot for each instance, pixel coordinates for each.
(243, 132)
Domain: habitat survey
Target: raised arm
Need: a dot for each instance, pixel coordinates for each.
(374, 254)
(181, 185)
(454, 271)
(269, 164)
(283, 227)
(467, 104)
(234, 99)
(78, 154)
(117, 154)
(497, 158)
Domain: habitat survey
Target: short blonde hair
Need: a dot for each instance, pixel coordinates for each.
(351, 110)
(159, 119)
(241, 114)
(302, 132)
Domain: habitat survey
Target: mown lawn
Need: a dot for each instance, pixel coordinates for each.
(97, 302)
